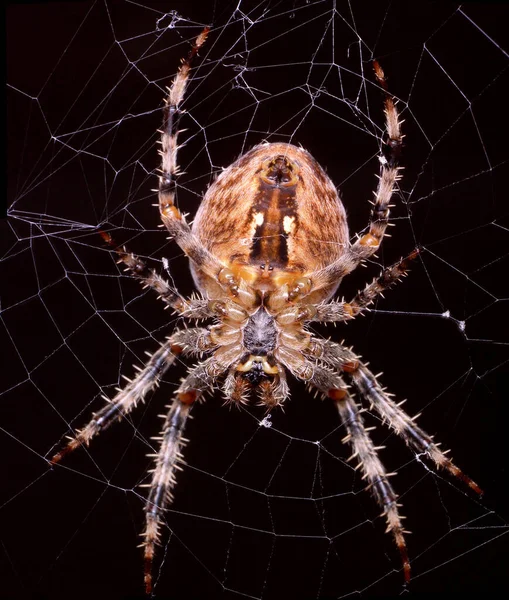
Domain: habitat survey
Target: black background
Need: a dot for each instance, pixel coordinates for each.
(262, 513)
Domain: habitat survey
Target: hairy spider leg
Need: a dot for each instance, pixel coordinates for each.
(188, 340)
(192, 308)
(331, 384)
(168, 460)
(404, 425)
(169, 457)
(374, 471)
(337, 356)
(337, 311)
(369, 243)
(171, 216)
(327, 380)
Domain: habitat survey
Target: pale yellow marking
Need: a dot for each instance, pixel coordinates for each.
(289, 224)
(258, 218)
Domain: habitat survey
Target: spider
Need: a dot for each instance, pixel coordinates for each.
(268, 249)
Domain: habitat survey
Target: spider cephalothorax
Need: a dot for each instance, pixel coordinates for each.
(268, 248)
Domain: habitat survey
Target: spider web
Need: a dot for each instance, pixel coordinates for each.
(267, 507)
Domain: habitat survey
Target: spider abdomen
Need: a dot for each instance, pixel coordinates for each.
(272, 214)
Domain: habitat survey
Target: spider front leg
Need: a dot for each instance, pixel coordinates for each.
(330, 383)
(343, 359)
(403, 424)
(336, 357)
(188, 341)
(374, 471)
(163, 478)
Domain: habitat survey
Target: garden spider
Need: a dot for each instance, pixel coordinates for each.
(268, 249)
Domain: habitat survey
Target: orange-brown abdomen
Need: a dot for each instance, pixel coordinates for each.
(273, 213)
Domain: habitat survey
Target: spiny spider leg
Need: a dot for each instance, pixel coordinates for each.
(369, 243)
(193, 308)
(335, 356)
(172, 113)
(123, 402)
(373, 470)
(337, 311)
(323, 378)
(171, 216)
(339, 357)
(163, 480)
(404, 425)
(331, 353)
(328, 381)
(187, 341)
(169, 457)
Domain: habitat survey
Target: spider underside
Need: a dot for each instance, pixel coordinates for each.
(261, 289)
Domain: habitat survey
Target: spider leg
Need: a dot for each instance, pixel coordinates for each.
(187, 341)
(163, 480)
(329, 382)
(374, 471)
(169, 458)
(332, 354)
(323, 378)
(190, 308)
(174, 221)
(194, 308)
(344, 311)
(172, 114)
(171, 216)
(403, 424)
(369, 243)
(339, 357)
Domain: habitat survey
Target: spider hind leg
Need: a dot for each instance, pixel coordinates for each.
(367, 244)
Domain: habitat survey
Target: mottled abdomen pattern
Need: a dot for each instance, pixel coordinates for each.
(272, 213)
